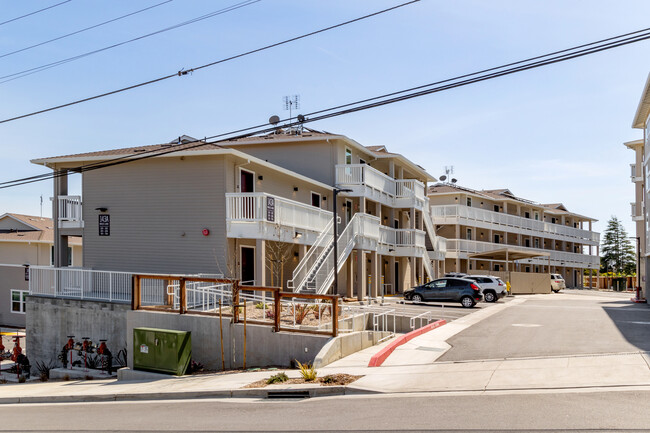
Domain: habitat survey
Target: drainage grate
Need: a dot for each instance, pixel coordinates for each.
(288, 394)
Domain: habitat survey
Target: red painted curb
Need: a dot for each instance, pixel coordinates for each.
(379, 357)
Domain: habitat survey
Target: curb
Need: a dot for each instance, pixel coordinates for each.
(378, 358)
(321, 391)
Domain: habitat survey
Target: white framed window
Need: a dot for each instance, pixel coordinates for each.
(469, 234)
(315, 199)
(537, 216)
(348, 156)
(18, 298)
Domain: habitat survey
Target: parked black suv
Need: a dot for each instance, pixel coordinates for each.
(446, 289)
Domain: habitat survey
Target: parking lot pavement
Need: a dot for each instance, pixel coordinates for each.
(448, 311)
(562, 324)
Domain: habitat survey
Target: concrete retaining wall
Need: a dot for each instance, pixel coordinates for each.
(346, 344)
(528, 283)
(263, 346)
(51, 320)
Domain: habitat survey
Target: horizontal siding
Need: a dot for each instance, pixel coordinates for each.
(158, 209)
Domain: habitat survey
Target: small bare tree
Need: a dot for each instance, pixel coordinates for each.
(277, 254)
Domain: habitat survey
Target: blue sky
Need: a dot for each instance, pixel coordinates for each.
(552, 134)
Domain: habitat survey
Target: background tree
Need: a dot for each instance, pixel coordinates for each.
(617, 253)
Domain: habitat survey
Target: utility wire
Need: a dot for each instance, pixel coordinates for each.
(83, 30)
(26, 72)
(185, 72)
(352, 107)
(34, 13)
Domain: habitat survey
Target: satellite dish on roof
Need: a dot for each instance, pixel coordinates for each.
(274, 120)
(301, 118)
(443, 178)
(454, 180)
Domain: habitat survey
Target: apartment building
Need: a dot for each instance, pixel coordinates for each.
(639, 173)
(493, 231)
(25, 240)
(259, 209)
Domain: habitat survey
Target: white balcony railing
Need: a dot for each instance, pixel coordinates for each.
(558, 258)
(70, 211)
(401, 237)
(80, 284)
(267, 208)
(366, 180)
(633, 212)
(475, 217)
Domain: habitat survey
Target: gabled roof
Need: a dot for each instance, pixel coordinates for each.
(557, 206)
(643, 109)
(29, 228)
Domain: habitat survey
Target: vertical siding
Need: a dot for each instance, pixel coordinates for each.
(158, 209)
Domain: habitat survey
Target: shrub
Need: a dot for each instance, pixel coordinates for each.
(261, 306)
(3, 380)
(66, 377)
(270, 314)
(328, 379)
(44, 368)
(22, 379)
(277, 378)
(120, 359)
(307, 371)
(300, 311)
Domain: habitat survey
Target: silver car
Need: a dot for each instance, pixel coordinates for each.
(492, 288)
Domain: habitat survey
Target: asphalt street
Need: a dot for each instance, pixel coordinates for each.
(556, 412)
(557, 324)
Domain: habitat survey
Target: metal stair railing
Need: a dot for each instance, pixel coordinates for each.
(304, 268)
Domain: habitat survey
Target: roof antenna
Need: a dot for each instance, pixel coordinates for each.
(41, 205)
(291, 103)
(449, 170)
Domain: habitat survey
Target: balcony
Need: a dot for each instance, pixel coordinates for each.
(461, 248)
(365, 181)
(635, 176)
(482, 218)
(70, 212)
(401, 242)
(266, 216)
(633, 213)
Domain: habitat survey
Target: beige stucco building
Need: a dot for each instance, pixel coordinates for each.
(258, 209)
(25, 240)
(477, 223)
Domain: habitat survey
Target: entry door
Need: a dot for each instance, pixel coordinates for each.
(248, 265)
(348, 211)
(247, 184)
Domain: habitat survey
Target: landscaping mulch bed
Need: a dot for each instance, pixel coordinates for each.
(329, 380)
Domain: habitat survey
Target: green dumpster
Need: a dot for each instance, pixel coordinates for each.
(162, 350)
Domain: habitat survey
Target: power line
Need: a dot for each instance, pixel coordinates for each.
(26, 72)
(462, 80)
(84, 29)
(185, 72)
(34, 13)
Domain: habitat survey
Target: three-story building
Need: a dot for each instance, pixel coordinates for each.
(491, 231)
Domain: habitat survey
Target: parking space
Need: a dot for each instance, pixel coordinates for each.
(448, 311)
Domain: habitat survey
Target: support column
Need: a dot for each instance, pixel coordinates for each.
(60, 241)
(374, 275)
(349, 270)
(260, 263)
(361, 275)
(390, 274)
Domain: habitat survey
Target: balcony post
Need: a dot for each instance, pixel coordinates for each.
(60, 241)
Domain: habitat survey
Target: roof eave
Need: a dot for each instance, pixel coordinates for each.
(643, 109)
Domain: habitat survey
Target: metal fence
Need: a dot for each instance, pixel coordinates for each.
(80, 284)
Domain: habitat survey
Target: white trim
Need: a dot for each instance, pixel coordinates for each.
(19, 220)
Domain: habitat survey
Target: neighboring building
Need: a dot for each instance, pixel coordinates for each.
(639, 172)
(489, 228)
(242, 207)
(25, 240)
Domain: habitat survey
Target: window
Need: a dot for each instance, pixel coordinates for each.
(536, 243)
(315, 199)
(497, 267)
(18, 301)
(52, 256)
(439, 284)
(362, 161)
(348, 156)
(496, 208)
(469, 201)
(527, 243)
(496, 239)
(537, 216)
(527, 268)
(526, 214)
(553, 220)
(469, 234)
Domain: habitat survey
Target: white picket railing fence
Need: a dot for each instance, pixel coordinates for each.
(260, 206)
(442, 214)
(363, 174)
(80, 284)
